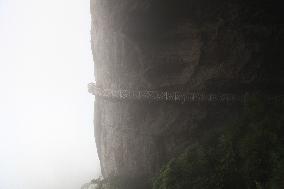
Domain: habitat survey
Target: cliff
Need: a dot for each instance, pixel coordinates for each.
(185, 46)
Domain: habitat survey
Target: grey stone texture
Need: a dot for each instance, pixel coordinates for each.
(205, 46)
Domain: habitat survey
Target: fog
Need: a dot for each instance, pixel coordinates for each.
(46, 114)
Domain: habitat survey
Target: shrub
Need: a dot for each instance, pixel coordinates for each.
(247, 155)
(119, 182)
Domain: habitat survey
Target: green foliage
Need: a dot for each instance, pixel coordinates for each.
(119, 182)
(189, 169)
(113, 182)
(247, 155)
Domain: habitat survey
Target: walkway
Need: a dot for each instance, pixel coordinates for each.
(163, 96)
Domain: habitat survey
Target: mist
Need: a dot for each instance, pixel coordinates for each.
(46, 114)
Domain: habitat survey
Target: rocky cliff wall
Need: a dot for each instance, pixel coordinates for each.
(222, 46)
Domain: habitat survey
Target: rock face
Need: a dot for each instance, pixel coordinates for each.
(222, 46)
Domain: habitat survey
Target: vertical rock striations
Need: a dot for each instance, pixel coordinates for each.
(185, 45)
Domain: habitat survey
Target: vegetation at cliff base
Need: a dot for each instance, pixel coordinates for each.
(117, 182)
(245, 155)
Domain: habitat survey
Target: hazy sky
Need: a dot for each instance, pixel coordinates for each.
(46, 114)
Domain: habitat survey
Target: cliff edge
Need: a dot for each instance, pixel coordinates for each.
(200, 46)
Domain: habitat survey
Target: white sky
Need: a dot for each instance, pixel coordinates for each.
(46, 113)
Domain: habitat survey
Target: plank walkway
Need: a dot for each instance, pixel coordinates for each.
(164, 96)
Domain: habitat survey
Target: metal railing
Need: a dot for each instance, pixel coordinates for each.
(165, 96)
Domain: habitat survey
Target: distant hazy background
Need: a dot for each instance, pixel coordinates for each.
(46, 114)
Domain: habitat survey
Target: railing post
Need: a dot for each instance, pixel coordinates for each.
(166, 96)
